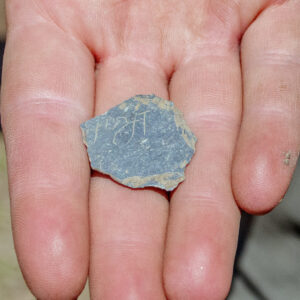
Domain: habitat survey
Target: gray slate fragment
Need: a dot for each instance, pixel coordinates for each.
(141, 142)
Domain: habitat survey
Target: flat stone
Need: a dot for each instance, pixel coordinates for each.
(144, 141)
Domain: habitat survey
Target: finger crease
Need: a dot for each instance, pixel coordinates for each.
(50, 107)
(213, 121)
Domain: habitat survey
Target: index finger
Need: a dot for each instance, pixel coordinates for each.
(48, 87)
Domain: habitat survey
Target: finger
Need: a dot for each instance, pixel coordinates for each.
(127, 226)
(47, 92)
(269, 141)
(204, 219)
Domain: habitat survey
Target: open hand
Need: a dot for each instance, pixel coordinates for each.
(232, 67)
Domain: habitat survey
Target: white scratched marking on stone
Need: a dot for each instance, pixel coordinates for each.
(133, 127)
(96, 131)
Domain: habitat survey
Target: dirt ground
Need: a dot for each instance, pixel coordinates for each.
(2, 19)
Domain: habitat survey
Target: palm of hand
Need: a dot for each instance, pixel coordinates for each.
(187, 51)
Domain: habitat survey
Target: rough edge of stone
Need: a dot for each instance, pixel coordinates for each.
(83, 129)
(166, 184)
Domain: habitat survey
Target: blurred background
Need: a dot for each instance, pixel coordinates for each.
(268, 257)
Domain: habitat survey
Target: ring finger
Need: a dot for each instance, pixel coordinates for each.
(204, 219)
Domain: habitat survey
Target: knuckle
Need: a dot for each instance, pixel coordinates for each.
(217, 120)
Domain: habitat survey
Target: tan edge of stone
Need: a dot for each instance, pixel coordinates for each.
(163, 179)
(84, 136)
(180, 122)
(160, 102)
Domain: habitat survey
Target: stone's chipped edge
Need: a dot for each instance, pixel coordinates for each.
(180, 122)
(83, 132)
(184, 163)
(132, 181)
(160, 102)
(161, 179)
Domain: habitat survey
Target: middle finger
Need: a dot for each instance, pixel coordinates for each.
(127, 226)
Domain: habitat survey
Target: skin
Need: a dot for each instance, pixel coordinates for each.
(232, 67)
